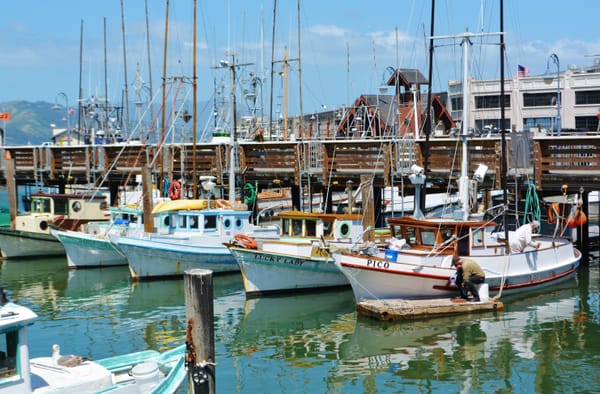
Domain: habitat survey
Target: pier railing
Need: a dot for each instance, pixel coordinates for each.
(549, 161)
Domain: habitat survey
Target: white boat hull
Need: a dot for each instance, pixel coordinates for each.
(89, 250)
(155, 258)
(269, 272)
(16, 244)
(413, 276)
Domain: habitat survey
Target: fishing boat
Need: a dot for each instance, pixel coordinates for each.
(140, 372)
(299, 259)
(418, 262)
(91, 246)
(191, 239)
(31, 235)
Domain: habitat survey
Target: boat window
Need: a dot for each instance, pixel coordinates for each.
(478, 237)
(76, 206)
(182, 221)
(297, 228)
(210, 223)
(285, 227)
(311, 228)
(446, 234)
(226, 223)
(239, 224)
(327, 229)
(8, 354)
(410, 235)
(61, 206)
(194, 222)
(427, 237)
(41, 205)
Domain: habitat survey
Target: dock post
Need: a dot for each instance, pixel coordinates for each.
(11, 188)
(583, 233)
(200, 336)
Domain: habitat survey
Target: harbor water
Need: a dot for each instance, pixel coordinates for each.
(315, 343)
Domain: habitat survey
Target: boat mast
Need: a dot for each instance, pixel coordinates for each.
(300, 73)
(195, 89)
(463, 183)
(126, 93)
(164, 99)
(151, 91)
(272, 67)
(503, 165)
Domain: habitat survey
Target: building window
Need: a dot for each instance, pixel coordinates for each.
(532, 123)
(586, 123)
(539, 99)
(485, 126)
(491, 101)
(587, 97)
(457, 103)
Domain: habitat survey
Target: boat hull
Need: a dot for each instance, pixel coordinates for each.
(150, 258)
(89, 250)
(373, 277)
(17, 244)
(271, 272)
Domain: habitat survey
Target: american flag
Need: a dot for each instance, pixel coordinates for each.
(523, 71)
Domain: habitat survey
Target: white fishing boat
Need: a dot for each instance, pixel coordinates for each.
(91, 247)
(299, 258)
(31, 235)
(418, 265)
(140, 372)
(192, 239)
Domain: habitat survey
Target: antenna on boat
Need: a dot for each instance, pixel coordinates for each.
(417, 178)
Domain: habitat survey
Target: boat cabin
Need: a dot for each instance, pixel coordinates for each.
(204, 221)
(300, 224)
(454, 236)
(65, 211)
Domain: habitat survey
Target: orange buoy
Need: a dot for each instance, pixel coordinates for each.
(577, 218)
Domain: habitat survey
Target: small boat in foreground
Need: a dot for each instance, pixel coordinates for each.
(140, 372)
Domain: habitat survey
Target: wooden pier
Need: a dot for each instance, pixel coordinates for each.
(401, 309)
(550, 162)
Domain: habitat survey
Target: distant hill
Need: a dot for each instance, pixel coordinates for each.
(29, 122)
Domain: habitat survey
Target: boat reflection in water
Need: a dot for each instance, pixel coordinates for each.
(316, 341)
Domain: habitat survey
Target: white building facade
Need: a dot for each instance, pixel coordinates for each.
(531, 102)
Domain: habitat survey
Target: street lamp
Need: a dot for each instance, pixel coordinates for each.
(57, 108)
(548, 80)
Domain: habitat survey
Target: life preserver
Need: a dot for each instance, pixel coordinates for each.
(553, 212)
(221, 203)
(175, 190)
(247, 241)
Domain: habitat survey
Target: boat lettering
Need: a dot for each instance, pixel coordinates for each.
(378, 263)
(278, 259)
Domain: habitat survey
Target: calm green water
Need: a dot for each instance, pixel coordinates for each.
(315, 343)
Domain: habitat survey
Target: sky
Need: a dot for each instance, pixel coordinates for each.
(346, 47)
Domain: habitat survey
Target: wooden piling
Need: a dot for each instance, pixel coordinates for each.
(147, 199)
(200, 338)
(11, 188)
